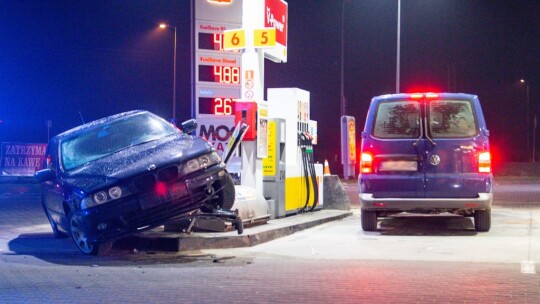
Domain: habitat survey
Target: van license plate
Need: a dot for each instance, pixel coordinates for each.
(398, 165)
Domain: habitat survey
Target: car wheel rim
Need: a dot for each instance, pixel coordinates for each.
(79, 237)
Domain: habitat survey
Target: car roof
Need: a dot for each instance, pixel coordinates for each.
(402, 96)
(97, 122)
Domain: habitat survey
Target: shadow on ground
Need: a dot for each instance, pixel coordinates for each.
(427, 225)
(46, 247)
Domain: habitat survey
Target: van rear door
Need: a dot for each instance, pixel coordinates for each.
(395, 145)
(452, 148)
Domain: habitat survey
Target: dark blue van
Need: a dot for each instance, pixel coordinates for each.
(425, 153)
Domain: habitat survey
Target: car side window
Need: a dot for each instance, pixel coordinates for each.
(452, 119)
(397, 119)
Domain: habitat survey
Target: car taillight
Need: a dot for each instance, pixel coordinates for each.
(484, 162)
(366, 163)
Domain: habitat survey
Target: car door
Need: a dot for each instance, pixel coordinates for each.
(451, 149)
(396, 146)
(53, 192)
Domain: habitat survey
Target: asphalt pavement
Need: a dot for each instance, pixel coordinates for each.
(21, 211)
(408, 260)
(21, 214)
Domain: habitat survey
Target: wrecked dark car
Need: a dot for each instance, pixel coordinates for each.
(127, 173)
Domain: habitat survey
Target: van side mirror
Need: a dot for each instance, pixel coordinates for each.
(45, 175)
(188, 126)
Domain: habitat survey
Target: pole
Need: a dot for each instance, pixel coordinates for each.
(398, 45)
(192, 64)
(174, 79)
(527, 118)
(343, 101)
(535, 122)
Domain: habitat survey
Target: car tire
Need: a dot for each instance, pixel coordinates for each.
(225, 194)
(482, 220)
(81, 240)
(228, 193)
(369, 220)
(57, 233)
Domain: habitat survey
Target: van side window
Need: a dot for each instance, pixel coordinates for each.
(451, 119)
(397, 119)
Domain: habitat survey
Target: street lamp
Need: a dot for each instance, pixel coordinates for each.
(342, 89)
(527, 112)
(398, 45)
(163, 26)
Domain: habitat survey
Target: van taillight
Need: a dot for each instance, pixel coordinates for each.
(366, 163)
(484, 162)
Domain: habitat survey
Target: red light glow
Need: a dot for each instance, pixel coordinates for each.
(366, 163)
(484, 162)
(429, 95)
(160, 188)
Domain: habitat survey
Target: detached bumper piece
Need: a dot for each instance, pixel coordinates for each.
(218, 220)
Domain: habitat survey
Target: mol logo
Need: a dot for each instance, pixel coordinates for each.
(220, 1)
(218, 136)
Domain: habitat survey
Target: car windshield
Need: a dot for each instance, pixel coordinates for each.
(111, 137)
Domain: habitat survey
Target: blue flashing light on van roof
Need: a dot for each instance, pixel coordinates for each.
(427, 153)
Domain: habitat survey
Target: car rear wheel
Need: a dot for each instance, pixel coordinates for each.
(57, 233)
(369, 220)
(81, 239)
(482, 220)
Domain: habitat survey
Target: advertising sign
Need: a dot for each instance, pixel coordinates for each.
(269, 163)
(276, 15)
(22, 159)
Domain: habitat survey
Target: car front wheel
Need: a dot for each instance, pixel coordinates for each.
(224, 194)
(81, 239)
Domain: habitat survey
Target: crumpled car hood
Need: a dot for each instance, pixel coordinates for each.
(135, 160)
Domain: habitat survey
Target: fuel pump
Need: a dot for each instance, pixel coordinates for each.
(290, 180)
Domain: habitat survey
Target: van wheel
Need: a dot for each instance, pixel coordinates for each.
(482, 220)
(369, 220)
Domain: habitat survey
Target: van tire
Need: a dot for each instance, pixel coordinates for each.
(482, 220)
(369, 220)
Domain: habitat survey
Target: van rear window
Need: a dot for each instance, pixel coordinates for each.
(397, 119)
(451, 119)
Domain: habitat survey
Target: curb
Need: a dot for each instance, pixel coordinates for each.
(159, 240)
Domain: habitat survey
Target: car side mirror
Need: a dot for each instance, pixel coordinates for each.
(45, 175)
(188, 126)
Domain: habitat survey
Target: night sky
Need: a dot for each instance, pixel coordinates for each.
(60, 60)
